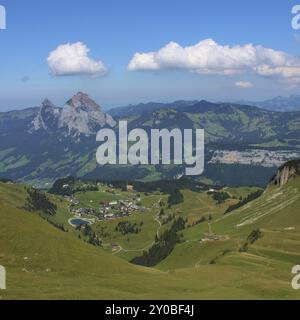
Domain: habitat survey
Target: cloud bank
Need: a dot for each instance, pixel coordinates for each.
(73, 60)
(209, 57)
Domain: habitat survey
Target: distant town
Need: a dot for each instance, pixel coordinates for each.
(257, 157)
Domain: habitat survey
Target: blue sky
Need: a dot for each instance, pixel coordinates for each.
(114, 30)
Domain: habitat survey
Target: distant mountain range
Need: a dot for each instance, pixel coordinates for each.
(40, 145)
(281, 104)
(278, 104)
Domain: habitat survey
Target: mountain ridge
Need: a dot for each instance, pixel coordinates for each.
(64, 140)
(276, 104)
(279, 103)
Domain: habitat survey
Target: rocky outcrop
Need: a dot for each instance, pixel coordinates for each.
(286, 173)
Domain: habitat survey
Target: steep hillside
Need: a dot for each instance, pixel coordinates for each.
(261, 235)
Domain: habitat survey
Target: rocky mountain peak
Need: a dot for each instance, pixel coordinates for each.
(47, 104)
(80, 116)
(47, 116)
(83, 101)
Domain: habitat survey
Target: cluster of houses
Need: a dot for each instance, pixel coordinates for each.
(107, 210)
(84, 211)
(119, 209)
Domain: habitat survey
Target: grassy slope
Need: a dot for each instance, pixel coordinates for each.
(43, 262)
(276, 213)
(57, 265)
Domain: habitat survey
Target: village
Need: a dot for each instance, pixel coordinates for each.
(107, 210)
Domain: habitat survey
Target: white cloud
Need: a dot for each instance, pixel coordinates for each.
(72, 60)
(244, 84)
(209, 57)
